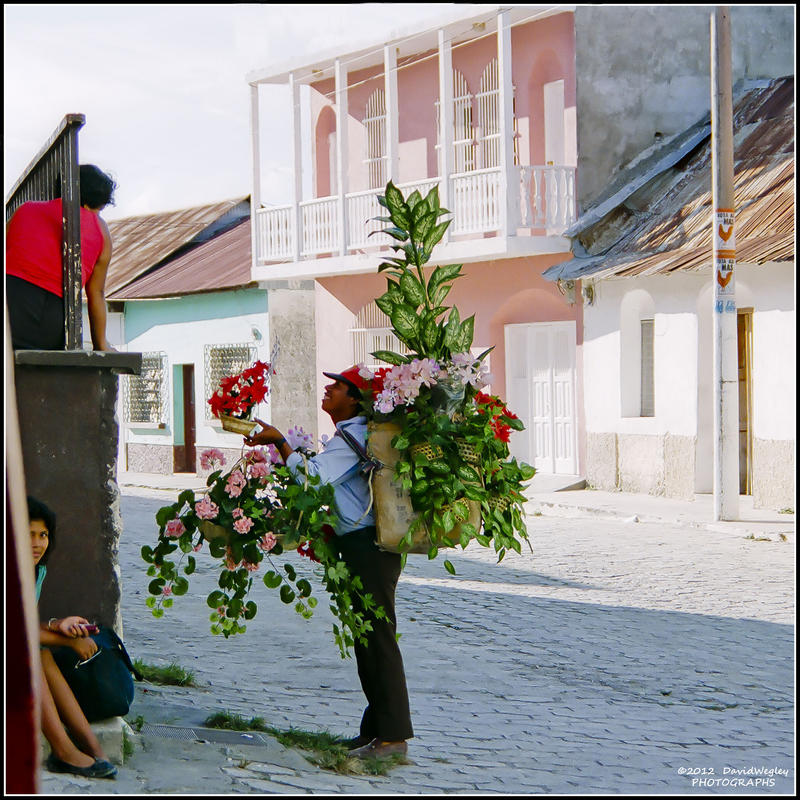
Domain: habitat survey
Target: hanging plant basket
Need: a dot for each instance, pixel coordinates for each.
(244, 427)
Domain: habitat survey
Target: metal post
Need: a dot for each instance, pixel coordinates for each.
(71, 244)
(726, 377)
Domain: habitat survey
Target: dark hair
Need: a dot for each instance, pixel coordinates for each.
(97, 188)
(353, 390)
(38, 510)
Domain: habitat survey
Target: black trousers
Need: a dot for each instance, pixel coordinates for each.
(35, 316)
(380, 664)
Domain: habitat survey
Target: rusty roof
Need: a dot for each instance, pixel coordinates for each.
(221, 263)
(142, 243)
(656, 217)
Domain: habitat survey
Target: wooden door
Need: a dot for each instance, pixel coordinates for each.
(744, 338)
(184, 452)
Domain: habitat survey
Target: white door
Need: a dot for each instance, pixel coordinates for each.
(540, 381)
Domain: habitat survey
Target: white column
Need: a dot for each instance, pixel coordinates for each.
(255, 194)
(445, 124)
(509, 179)
(297, 162)
(726, 365)
(342, 160)
(392, 113)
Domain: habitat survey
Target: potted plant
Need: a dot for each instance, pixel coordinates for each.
(247, 517)
(450, 439)
(238, 395)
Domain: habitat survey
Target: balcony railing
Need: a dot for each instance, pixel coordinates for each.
(546, 207)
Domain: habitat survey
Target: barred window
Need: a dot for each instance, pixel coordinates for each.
(648, 378)
(463, 144)
(375, 128)
(223, 360)
(145, 395)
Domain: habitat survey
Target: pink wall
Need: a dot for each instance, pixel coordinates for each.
(499, 293)
(542, 51)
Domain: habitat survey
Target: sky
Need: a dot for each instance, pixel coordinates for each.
(164, 90)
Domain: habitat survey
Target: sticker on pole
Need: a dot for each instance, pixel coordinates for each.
(724, 257)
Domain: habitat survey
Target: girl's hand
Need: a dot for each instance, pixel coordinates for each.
(84, 647)
(70, 626)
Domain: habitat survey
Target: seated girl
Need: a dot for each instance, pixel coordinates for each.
(78, 752)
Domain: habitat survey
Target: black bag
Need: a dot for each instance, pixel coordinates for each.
(103, 684)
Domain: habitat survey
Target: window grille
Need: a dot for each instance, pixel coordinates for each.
(648, 376)
(373, 331)
(488, 99)
(375, 128)
(463, 134)
(145, 395)
(224, 360)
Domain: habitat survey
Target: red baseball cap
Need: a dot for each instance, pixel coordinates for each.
(351, 376)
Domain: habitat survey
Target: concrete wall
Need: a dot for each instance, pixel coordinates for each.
(671, 453)
(644, 70)
(69, 431)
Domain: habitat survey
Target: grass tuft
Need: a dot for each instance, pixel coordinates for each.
(171, 675)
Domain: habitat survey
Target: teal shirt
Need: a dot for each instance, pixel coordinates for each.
(41, 571)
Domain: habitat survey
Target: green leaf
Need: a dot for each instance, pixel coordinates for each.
(165, 514)
(449, 567)
(412, 290)
(216, 599)
(434, 235)
(405, 322)
(385, 304)
(440, 293)
(442, 274)
(147, 553)
(180, 586)
(430, 334)
(433, 552)
(287, 595)
(155, 586)
(389, 357)
(424, 227)
(396, 233)
(432, 199)
(150, 602)
(465, 334)
(448, 521)
(272, 580)
(304, 587)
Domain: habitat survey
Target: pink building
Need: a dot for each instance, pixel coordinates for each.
(483, 105)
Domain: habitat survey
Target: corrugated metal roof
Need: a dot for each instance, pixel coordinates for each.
(664, 224)
(222, 263)
(141, 243)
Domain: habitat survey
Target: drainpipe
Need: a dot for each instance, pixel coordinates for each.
(726, 373)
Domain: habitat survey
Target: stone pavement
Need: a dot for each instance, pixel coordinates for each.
(621, 657)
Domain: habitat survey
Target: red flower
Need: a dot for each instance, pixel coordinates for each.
(377, 381)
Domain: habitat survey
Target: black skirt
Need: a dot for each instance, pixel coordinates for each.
(35, 316)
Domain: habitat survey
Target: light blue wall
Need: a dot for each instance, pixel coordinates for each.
(141, 315)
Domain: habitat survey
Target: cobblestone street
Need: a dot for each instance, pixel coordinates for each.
(619, 657)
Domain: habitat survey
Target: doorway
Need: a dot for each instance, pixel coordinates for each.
(184, 457)
(744, 339)
(540, 384)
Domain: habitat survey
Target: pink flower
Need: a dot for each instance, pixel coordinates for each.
(297, 437)
(236, 482)
(250, 566)
(259, 470)
(237, 513)
(206, 508)
(212, 457)
(267, 542)
(198, 547)
(167, 590)
(243, 525)
(230, 564)
(255, 455)
(175, 528)
(274, 455)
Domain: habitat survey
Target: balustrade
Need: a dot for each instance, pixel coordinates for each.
(547, 202)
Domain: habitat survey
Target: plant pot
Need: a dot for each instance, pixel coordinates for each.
(237, 425)
(394, 512)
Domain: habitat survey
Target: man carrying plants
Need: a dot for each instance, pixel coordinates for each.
(386, 722)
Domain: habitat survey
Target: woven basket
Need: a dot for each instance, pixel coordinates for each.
(393, 510)
(236, 425)
(500, 503)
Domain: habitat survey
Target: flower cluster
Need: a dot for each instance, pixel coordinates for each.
(500, 415)
(255, 511)
(239, 394)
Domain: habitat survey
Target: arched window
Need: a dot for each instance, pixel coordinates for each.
(375, 132)
(463, 134)
(372, 332)
(488, 132)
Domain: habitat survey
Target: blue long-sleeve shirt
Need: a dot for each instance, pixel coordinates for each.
(335, 465)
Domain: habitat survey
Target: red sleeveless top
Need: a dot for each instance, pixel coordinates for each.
(33, 244)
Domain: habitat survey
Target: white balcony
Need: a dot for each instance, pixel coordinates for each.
(544, 209)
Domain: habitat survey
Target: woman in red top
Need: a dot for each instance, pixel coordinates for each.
(34, 288)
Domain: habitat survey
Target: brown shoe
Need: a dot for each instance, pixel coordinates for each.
(378, 749)
(355, 742)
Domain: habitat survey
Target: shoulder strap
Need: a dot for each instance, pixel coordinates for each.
(367, 463)
(126, 659)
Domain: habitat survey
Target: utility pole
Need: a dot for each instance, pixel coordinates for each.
(726, 372)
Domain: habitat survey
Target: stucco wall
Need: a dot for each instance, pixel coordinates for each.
(643, 70)
(672, 452)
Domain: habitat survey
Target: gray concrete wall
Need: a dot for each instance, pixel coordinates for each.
(644, 70)
(70, 433)
(293, 390)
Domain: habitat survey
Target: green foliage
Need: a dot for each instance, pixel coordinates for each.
(171, 675)
(281, 515)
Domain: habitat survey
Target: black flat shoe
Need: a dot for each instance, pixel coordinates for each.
(100, 768)
(356, 741)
